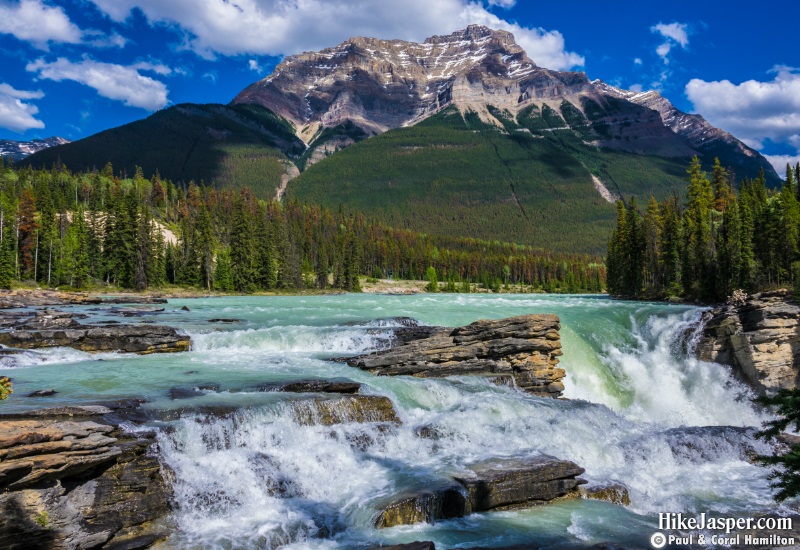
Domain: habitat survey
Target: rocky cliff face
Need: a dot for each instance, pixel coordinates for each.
(760, 339)
(76, 483)
(697, 131)
(522, 351)
(378, 85)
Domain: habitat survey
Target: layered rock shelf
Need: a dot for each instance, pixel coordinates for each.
(77, 484)
(54, 328)
(497, 484)
(760, 339)
(522, 351)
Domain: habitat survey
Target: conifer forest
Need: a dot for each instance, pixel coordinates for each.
(97, 229)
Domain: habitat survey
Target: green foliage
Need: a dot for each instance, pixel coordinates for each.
(433, 281)
(786, 405)
(5, 388)
(718, 241)
(94, 228)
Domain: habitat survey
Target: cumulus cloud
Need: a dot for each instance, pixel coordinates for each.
(506, 4)
(277, 27)
(37, 23)
(753, 110)
(15, 113)
(674, 34)
(117, 82)
(254, 66)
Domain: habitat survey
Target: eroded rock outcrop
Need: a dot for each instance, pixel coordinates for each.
(522, 351)
(760, 339)
(77, 484)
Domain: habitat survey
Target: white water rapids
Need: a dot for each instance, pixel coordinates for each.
(676, 431)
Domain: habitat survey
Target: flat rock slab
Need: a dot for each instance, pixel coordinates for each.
(523, 350)
(312, 386)
(497, 484)
(511, 483)
(126, 338)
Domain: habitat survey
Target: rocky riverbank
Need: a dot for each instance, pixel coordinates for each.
(759, 338)
(74, 481)
(522, 351)
(27, 329)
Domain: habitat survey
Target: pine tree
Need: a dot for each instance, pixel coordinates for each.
(243, 249)
(223, 277)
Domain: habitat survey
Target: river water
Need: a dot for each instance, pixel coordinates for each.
(640, 412)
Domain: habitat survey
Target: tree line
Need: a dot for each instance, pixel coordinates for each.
(78, 230)
(714, 241)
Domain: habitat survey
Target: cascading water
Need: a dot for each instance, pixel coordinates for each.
(249, 474)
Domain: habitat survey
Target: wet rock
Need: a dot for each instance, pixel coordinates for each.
(418, 545)
(446, 501)
(760, 339)
(223, 320)
(615, 493)
(183, 393)
(496, 484)
(132, 300)
(42, 393)
(344, 409)
(185, 308)
(138, 311)
(313, 386)
(126, 338)
(515, 483)
(194, 391)
(61, 412)
(523, 348)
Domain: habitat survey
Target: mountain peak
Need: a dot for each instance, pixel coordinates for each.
(473, 33)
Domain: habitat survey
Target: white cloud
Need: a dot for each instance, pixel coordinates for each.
(37, 23)
(637, 61)
(636, 88)
(753, 110)
(674, 34)
(506, 4)
(279, 27)
(15, 113)
(675, 31)
(254, 66)
(113, 81)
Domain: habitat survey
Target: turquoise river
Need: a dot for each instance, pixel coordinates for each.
(640, 411)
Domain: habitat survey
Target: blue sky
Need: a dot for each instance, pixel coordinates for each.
(75, 67)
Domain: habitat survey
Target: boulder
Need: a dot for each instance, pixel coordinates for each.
(127, 338)
(759, 339)
(521, 350)
(615, 493)
(344, 409)
(68, 484)
(445, 501)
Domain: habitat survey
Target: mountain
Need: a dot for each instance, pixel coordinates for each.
(377, 85)
(18, 150)
(462, 134)
(228, 144)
